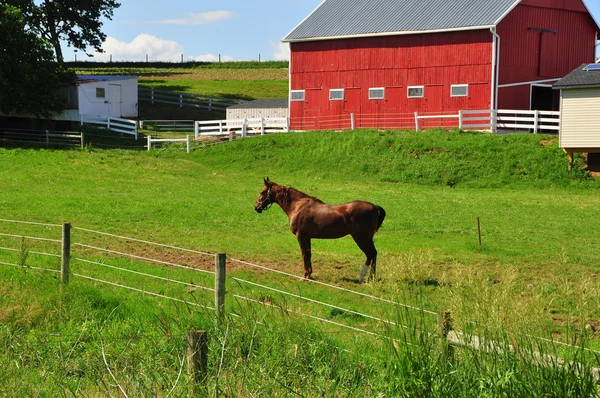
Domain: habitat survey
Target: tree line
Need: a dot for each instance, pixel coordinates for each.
(32, 68)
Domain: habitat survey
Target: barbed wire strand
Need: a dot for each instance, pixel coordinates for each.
(319, 302)
(142, 258)
(143, 241)
(143, 291)
(337, 287)
(32, 238)
(31, 223)
(30, 267)
(327, 321)
(144, 274)
(30, 252)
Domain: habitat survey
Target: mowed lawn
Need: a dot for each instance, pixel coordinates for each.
(539, 258)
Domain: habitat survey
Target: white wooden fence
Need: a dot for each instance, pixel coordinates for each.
(183, 99)
(125, 126)
(241, 127)
(501, 120)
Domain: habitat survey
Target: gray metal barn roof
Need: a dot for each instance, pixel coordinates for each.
(579, 78)
(341, 18)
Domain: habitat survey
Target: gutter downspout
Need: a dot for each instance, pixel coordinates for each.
(495, 68)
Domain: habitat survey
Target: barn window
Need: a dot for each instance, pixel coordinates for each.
(416, 92)
(377, 93)
(100, 92)
(459, 90)
(297, 95)
(336, 94)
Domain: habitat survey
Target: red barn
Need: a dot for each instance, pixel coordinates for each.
(383, 60)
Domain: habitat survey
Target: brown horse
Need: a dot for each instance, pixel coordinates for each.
(311, 218)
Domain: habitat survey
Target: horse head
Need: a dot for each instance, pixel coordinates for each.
(266, 197)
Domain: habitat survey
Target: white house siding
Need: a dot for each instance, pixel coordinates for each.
(255, 113)
(580, 118)
(89, 104)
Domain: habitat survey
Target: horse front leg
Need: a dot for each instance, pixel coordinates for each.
(306, 255)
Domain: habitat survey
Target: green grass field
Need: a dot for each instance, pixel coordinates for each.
(534, 274)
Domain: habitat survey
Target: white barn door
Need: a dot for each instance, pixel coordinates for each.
(114, 100)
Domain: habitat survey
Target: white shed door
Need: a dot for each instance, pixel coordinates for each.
(114, 100)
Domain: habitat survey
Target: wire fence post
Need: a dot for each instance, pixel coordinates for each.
(66, 253)
(220, 261)
(198, 357)
(446, 328)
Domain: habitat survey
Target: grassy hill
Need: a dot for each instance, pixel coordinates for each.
(535, 272)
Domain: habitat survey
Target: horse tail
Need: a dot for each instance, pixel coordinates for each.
(381, 213)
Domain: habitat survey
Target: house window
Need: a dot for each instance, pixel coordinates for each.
(297, 95)
(416, 92)
(459, 90)
(377, 93)
(100, 92)
(336, 94)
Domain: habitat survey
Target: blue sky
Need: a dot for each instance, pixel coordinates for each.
(235, 30)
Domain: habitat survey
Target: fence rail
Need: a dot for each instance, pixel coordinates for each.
(504, 120)
(45, 138)
(125, 126)
(241, 127)
(180, 99)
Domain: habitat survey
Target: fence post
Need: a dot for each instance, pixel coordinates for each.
(82, 141)
(446, 327)
(108, 122)
(262, 126)
(198, 357)
(220, 127)
(287, 124)
(460, 119)
(352, 121)
(187, 143)
(47, 139)
(196, 130)
(416, 121)
(244, 128)
(66, 253)
(494, 121)
(152, 96)
(149, 142)
(220, 260)
(209, 104)
(181, 100)
(536, 121)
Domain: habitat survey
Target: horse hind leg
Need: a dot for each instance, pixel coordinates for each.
(306, 255)
(368, 247)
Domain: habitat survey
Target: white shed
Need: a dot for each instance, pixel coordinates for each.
(580, 110)
(106, 96)
(260, 108)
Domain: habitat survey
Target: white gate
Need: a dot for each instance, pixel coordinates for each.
(114, 100)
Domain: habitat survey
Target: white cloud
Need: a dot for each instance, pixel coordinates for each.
(157, 50)
(144, 44)
(211, 58)
(281, 51)
(200, 18)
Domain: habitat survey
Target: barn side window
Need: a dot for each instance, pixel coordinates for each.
(459, 90)
(377, 93)
(336, 94)
(416, 92)
(297, 95)
(100, 92)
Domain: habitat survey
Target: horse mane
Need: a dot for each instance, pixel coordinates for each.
(291, 193)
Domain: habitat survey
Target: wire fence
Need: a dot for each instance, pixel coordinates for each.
(148, 274)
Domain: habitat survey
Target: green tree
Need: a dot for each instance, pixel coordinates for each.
(30, 77)
(77, 22)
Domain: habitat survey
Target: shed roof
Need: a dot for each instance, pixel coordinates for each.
(579, 78)
(343, 18)
(83, 79)
(262, 104)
